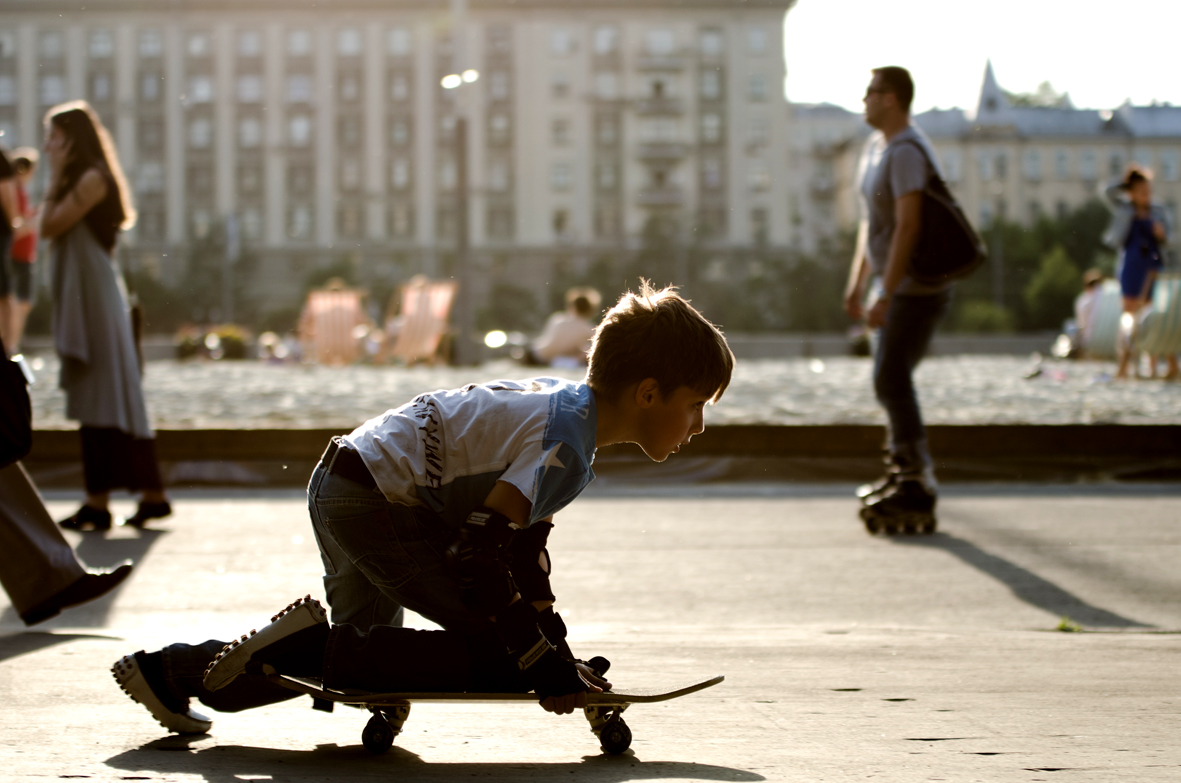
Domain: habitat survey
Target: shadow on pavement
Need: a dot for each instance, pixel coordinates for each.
(232, 763)
(12, 645)
(1026, 585)
(97, 551)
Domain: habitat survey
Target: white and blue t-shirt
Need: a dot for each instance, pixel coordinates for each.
(447, 449)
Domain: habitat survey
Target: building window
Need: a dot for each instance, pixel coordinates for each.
(299, 131)
(984, 161)
(199, 223)
(659, 42)
(953, 165)
(151, 43)
(759, 225)
(349, 132)
(710, 43)
(1002, 166)
(560, 132)
(200, 133)
(985, 214)
(561, 223)
(559, 84)
(100, 87)
(711, 173)
(299, 223)
(199, 45)
(102, 44)
(711, 84)
(149, 177)
(7, 92)
(249, 43)
(448, 175)
(400, 174)
(447, 127)
(299, 43)
(7, 44)
(349, 221)
(1033, 165)
(200, 89)
(500, 223)
(758, 175)
(1035, 211)
(399, 87)
(711, 128)
(400, 222)
(151, 134)
(1168, 166)
(605, 175)
(1087, 167)
(758, 129)
(757, 87)
(150, 87)
(249, 89)
(400, 133)
(498, 176)
(299, 88)
(1061, 164)
(498, 128)
(561, 42)
(51, 46)
(398, 42)
(756, 40)
(350, 87)
(606, 221)
(53, 90)
(498, 86)
(348, 42)
(607, 85)
(660, 130)
(249, 180)
(607, 132)
(251, 224)
(561, 176)
(1115, 165)
(606, 40)
(249, 133)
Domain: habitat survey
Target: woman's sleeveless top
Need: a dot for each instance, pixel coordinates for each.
(105, 217)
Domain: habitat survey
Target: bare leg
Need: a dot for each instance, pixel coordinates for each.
(1173, 371)
(20, 315)
(1124, 345)
(6, 323)
(100, 501)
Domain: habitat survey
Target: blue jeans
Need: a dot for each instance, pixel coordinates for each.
(901, 344)
(378, 557)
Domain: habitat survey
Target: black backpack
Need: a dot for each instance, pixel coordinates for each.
(948, 247)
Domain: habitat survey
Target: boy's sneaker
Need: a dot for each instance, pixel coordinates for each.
(136, 678)
(275, 640)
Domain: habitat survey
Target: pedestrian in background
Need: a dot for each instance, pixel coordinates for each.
(895, 165)
(1139, 231)
(23, 253)
(87, 204)
(9, 220)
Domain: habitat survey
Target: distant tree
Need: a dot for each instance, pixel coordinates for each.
(1050, 293)
(1045, 96)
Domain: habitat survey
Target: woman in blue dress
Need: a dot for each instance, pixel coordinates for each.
(1139, 231)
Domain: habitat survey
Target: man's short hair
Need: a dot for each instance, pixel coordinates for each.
(585, 302)
(897, 81)
(658, 334)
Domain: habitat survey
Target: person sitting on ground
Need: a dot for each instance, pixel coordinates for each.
(1084, 306)
(566, 338)
(1139, 230)
(444, 506)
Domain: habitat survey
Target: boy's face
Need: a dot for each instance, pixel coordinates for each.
(667, 423)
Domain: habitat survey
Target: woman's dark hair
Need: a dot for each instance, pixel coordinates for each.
(90, 148)
(1135, 173)
(897, 81)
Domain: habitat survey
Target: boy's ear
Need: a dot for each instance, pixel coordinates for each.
(647, 393)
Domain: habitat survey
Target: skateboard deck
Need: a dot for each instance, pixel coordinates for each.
(390, 710)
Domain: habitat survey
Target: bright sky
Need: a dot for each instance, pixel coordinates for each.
(1083, 47)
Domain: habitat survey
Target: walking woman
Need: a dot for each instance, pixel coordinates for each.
(88, 203)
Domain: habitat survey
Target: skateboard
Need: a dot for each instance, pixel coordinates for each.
(390, 710)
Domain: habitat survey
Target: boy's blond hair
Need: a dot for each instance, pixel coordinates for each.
(658, 334)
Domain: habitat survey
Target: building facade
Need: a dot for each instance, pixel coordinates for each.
(324, 131)
(1016, 163)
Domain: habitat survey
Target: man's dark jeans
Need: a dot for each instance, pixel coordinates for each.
(901, 344)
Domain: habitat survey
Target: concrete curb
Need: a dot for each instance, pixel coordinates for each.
(729, 452)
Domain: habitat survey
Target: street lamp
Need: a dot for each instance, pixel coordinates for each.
(466, 351)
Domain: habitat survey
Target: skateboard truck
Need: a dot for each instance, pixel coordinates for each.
(386, 723)
(606, 722)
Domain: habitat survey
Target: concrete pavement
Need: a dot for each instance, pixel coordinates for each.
(847, 657)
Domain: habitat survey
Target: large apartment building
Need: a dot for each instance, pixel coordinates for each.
(324, 130)
(1014, 162)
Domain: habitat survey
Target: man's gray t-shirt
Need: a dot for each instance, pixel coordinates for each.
(886, 173)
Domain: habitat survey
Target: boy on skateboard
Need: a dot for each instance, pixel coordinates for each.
(443, 506)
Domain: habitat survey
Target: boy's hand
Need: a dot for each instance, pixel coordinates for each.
(564, 705)
(593, 679)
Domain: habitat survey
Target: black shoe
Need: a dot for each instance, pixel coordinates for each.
(86, 588)
(88, 518)
(145, 684)
(147, 511)
(907, 508)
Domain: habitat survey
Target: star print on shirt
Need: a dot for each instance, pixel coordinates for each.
(551, 459)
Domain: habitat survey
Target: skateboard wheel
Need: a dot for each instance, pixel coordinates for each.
(891, 529)
(615, 736)
(377, 736)
(929, 527)
(909, 528)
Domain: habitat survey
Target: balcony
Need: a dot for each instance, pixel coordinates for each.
(664, 150)
(664, 196)
(660, 62)
(659, 106)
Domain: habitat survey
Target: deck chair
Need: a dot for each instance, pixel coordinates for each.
(327, 325)
(425, 307)
(1159, 330)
